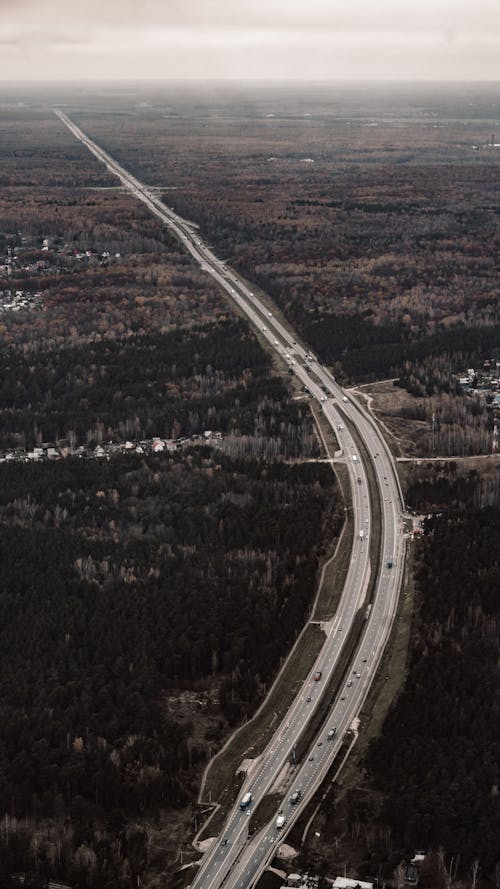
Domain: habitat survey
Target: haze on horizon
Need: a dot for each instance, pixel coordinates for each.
(454, 40)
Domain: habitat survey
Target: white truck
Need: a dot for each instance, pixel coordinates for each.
(361, 534)
(246, 800)
(280, 821)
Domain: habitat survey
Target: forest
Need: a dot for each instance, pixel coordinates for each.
(135, 585)
(146, 600)
(374, 230)
(431, 779)
(172, 384)
(123, 580)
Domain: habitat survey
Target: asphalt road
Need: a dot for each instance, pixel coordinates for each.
(235, 860)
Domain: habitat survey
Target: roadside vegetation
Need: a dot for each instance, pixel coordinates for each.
(430, 778)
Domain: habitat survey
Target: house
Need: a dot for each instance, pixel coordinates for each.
(346, 883)
(418, 858)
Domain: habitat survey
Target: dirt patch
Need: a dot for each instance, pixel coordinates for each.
(286, 852)
(199, 708)
(387, 403)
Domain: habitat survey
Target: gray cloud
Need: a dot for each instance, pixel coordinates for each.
(251, 38)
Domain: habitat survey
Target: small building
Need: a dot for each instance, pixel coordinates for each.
(418, 858)
(346, 883)
(411, 875)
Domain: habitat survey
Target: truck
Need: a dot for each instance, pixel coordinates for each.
(344, 398)
(280, 821)
(361, 534)
(246, 800)
(354, 458)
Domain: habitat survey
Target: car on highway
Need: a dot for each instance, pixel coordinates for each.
(320, 743)
(257, 313)
(317, 676)
(295, 797)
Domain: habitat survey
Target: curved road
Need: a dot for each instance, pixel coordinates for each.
(237, 861)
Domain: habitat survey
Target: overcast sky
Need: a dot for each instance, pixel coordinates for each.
(265, 39)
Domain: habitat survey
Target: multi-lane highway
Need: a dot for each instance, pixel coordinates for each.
(235, 860)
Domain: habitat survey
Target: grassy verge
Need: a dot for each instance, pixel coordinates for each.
(251, 739)
(388, 683)
(264, 812)
(336, 568)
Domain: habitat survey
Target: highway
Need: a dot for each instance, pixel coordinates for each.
(235, 860)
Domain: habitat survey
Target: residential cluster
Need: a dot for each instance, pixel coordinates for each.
(63, 448)
(311, 881)
(408, 874)
(16, 300)
(19, 261)
(483, 382)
